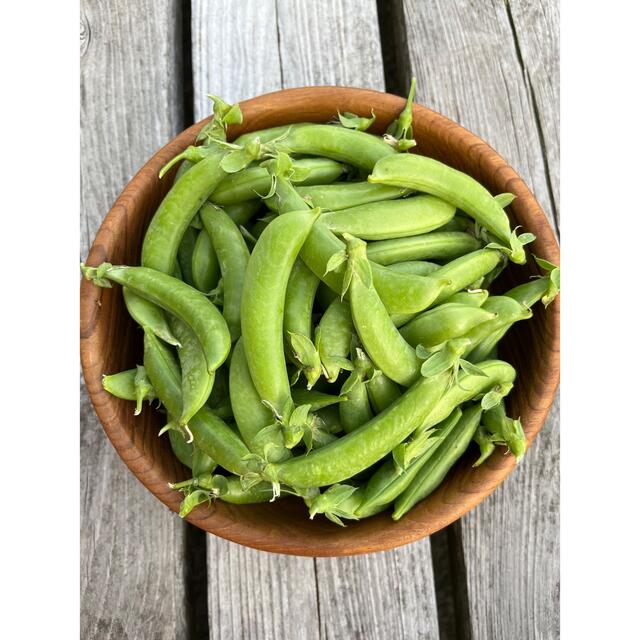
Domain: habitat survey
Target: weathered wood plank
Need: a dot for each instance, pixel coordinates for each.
(478, 64)
(131, 548)
(316, 43)
(382, 595)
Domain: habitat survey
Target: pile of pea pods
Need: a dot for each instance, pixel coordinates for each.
(317, 317)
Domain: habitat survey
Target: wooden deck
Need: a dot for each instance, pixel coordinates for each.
(146, 67)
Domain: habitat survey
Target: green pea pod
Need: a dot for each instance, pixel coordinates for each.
(251, 415)
(236, 494)
(356, 410)
(466, 270)
(316, 399)
(443, 323)
(210, 434)
(233, 256)
(437, 245)
(389, 481)
(338, 502)
(256, 181)
(428, 175)
(270, 134)
(531, 292)
(184, 166)
(382, 391)
(185, 254)
(205, 269)
(389, 351)
(169, 223)
(182, 449)
(414, 267)
(197, 382)
(506, 429)
(262, 307)
(352, 147)
(176, 297)
(445, 456)
(362, 448)
(333, 338)
(243, 212)
(121, 385)
(201, 463)
(346, 195)
(471, 298)
(392, 219)
(149, 316)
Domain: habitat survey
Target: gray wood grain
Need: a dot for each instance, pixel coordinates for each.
(492, 67)
(131, 547)
(383, 595)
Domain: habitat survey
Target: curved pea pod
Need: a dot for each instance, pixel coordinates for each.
(382, 391)
(179, 206)
(256, 181)
(347, 195)
(149, 316)
(445, 456)
(298, 307)
(316, 399)
(352, 147)
(132, 384)
(197, 382)
(390, 352)
(544, 288)
(392, 219)
(444, 322)
(251, 415)
(185, 255)
(210, 434)
(495, 377)
(414, 267)
(333, 339)
(176, 297)
(470, 298)
(506, 429)
(437, 245)
(428, 175)
(466, 270)
(262, 308)
(233, 256)
(360, 449)
(205, 270)
(355, 410)
(391, 479)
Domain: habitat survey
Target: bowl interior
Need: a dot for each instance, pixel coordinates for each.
(111, 342)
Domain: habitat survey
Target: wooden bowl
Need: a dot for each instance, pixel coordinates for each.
(111, 342)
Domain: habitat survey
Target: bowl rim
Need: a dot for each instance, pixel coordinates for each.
(224, 521)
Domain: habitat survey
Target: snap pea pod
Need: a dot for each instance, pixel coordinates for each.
(507, 429)
(356, 410)
(338, 502)
(233, 256)
(205, 269)
(256, 181)
(498, 376)
(251, 415)
(132, 384)
(235, 494)
(382, 391)
(176, 297)
(210, 434)
(414, 267)
(471, 298)
(333, 338)
(185, 254)
(530, 292)
(445, 456)
(149, 316)
(346, 195)
(358, 450)
(352, 147)
(444, 322)
(262, 306)
(184, 166)
(270, 134)
(393, 219)
(196, 380)
(182, 449)
(428, 175)
(437, 245)
(390, 352)
(466, 270)
(243, 212)
(316, 399)
(389, 481)
(400, 292)
(170, 221)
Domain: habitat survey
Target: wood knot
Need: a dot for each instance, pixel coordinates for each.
(85, 33)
